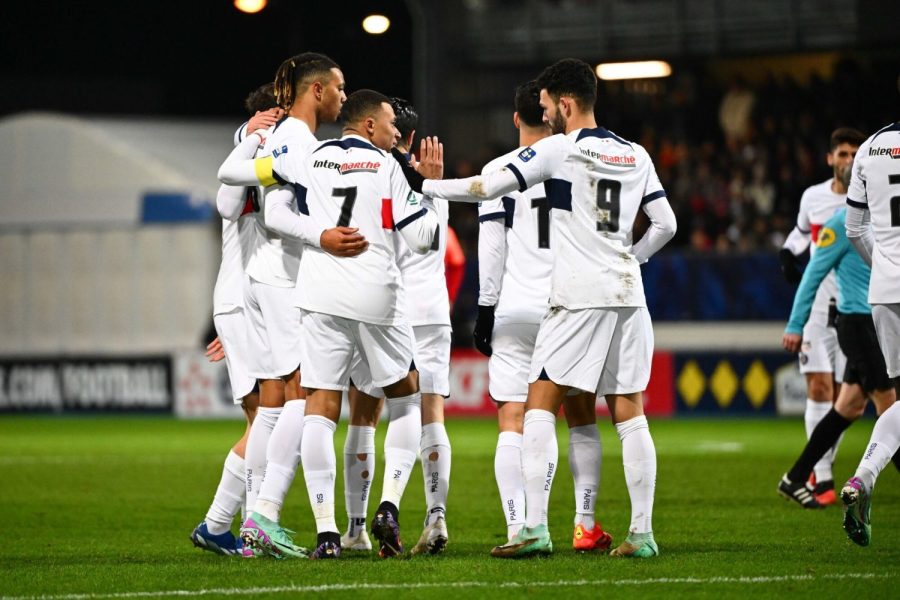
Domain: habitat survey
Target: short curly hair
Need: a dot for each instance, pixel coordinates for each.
(262, 98)
(570, 77)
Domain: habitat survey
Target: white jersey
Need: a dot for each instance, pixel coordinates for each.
(237, 246)
(426, 301)
(272, 259)
(595, 184)
(525, 282)
(349, 182)
(875, 186)
(817, 205)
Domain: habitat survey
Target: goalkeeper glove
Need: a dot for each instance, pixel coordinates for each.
(484, 329)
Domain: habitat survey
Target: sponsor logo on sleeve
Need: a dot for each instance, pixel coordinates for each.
(527, 154)
(279, 151)
(826, 237)
(411, 199)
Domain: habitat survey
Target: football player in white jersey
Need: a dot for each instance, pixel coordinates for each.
(596, 335)
(514, 264)
(356, 305)
(214, 532)
(821, 359)
(423, 277)
(873, 226)
(310, 89)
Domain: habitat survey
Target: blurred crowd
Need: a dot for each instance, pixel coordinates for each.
(734, 159)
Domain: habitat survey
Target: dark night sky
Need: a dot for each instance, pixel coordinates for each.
(185, 58)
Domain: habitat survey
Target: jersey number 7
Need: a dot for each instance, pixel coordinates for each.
(349, 195)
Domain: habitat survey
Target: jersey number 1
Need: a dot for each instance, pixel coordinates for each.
(895, 202)
(543, 219)
(349, 195)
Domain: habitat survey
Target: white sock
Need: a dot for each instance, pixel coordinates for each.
(320, 469)
(229, 495)
(882, 446)
(282, 458)
(435, 453)
(510, 481)
(639, 460)
(255, 455)
(815, 412)
(539, 461)
(358, 474)
(585, 454)
(401, 445)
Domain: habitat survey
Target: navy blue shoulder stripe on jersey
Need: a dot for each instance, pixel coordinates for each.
(411, 218)
(241, 130)
(891, 127)
(654, 196)
(500, 214)
(803, 231)
(281, 180)
(559, 193)
(856, 204)
(509, 209)
(278, 124)
(600, 132)
(515, 171)
(300, 193)
(348, 143)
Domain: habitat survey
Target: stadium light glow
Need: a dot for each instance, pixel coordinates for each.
(376, 24)
(634, 70)
(250, 6)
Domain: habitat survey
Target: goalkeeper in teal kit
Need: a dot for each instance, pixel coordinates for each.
(866, 375)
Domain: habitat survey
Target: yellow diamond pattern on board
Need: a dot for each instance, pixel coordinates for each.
(757, 384)
(691, 383)
(724, 384)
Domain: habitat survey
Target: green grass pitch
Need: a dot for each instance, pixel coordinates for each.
(102, 508)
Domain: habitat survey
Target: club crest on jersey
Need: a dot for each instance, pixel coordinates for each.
(527, 154)
(892, 152)
(826, 237)
(276, 152)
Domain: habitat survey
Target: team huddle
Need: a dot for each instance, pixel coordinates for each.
(333, 267)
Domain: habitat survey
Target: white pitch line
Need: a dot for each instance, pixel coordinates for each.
(340, 587)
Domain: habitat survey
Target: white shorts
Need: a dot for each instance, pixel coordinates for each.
(432, 357)
(887, 328)
(607, 350)
(820, 352)
(274, 330)
(231, 327)
(510, 362)
(328, 346)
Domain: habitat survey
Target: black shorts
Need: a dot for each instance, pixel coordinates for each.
(865, 363)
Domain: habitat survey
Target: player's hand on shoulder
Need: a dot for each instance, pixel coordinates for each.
(431, 158)
(345, 242)
(215, 351)
(791, 342)
(484, 329)
(263, 119)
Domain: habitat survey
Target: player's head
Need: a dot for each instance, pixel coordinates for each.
(567, 86)
(407, 119)
(313, 76)
(368, 113)
(528, 106)
(845, 141)
(260, 99)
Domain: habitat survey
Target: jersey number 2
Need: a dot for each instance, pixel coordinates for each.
(349, 195)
